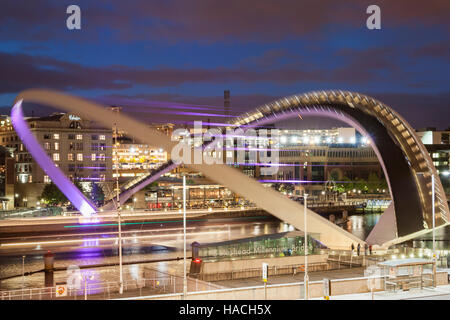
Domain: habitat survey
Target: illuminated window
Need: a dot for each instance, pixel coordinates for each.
(56, 146)
(79, 137)
(102, 157)
(56, 136)
(79, 156)
(93, 157)
(47, 179)
(56, 157)
(23, 178)
(47, 146)
(70, 156)
(102, 137)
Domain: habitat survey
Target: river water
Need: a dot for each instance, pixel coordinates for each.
(360, 225)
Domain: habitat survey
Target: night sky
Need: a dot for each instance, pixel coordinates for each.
(158, 58)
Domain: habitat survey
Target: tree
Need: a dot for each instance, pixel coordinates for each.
(97, 195)
(361, 185)
(276, 186)
(334, 175)
(151, 186)
(286, 187)
(376, 184)
(77, 184)
(52, 195)
(346, 185)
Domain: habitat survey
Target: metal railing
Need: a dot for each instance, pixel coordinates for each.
(256, 272)
(102, 290)
(159, 284)
(335, 204)
(244, 291)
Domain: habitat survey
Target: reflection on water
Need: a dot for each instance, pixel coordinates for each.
(91, 251)
(442, 237)
(94, 277)
(360, 225)
(136, 250)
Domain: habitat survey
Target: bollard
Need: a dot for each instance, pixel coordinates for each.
(48, 268)
(326, 288)
(195, 247)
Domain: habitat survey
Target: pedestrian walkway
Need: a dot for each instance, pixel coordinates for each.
(299, 277)
(438, 293)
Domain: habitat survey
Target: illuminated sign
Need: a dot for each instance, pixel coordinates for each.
(61, 291)
(74, 118)
(264, 271)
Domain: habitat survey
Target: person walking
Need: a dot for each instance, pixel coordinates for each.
(353, 247)
(358, 248)
(365, 249)
(370, 249)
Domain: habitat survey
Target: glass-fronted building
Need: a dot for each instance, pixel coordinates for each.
(266, 246)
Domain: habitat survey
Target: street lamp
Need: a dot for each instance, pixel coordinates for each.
(116, 158)
(184, 239)
(432, 210)
(306, 281)
(23, 274)
(90, 277)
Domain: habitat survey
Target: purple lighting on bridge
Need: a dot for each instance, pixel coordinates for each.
(72, 193)
(293, 181)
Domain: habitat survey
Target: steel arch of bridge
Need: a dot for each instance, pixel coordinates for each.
(403, 157)
(392, 133)
(387, 130)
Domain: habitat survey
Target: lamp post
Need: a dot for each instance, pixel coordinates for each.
(184, 239)
(306, 281)
(85, 278)
(119, 218)
(23, 274)
(432, 210)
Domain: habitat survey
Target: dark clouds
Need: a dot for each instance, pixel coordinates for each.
(411, 57)
(211, 21)
(355, 67)
(419, 110)
(438, 50)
